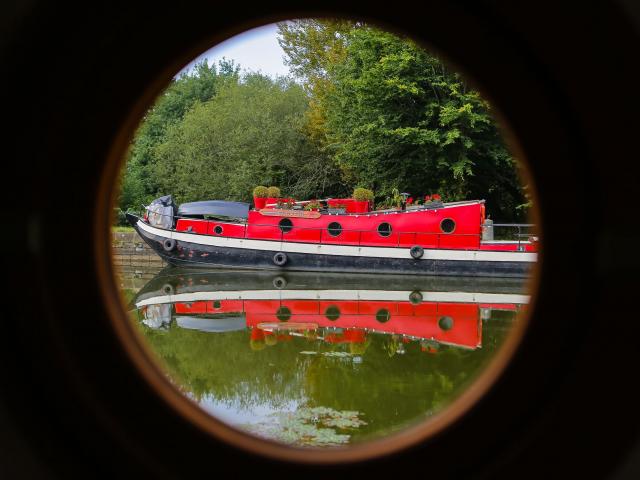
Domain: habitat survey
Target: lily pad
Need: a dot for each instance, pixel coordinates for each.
(310, 427)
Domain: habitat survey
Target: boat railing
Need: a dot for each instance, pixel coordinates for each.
(372, 237)
(519, 232)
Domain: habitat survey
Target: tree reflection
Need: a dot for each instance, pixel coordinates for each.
(386, 380)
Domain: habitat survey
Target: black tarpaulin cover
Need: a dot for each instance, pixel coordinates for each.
(218, 208)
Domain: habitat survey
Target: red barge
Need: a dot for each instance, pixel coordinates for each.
(341, 235)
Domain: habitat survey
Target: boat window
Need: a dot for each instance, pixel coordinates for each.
(286, 225)
(445, 323)
(332, 313)
(383, 315)
(217, 230)
(334, 229)
(447, 225)
(283, 314)
(384, 229)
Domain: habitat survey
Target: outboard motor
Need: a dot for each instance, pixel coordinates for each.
(160, 212)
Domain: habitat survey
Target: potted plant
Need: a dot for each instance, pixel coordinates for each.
(363, 197)
(313, 206)
(286, 203)
(432, 199)
(260, 194)
(273, 194)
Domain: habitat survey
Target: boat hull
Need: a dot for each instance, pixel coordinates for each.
(193, 250)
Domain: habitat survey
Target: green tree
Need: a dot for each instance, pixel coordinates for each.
(311, 47)
(138, 184)
(391, 115)
(249, 134)
(370, 109)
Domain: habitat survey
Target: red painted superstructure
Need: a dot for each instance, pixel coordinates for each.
(408, 228)
(448, 226)
(211, 227)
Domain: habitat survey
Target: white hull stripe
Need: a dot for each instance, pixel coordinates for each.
(338, 295)
(342, 250)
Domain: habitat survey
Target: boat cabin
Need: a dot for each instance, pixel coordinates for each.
(456, 225)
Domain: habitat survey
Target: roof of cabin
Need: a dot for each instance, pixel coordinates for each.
(216, 208)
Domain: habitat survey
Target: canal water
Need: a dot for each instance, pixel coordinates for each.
(321, 360)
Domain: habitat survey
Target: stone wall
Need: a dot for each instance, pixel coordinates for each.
(131, 253)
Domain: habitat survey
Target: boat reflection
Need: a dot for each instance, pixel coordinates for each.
(334, 309)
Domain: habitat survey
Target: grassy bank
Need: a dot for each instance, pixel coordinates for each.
(122, 229)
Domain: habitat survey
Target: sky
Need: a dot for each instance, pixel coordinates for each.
(255, 50)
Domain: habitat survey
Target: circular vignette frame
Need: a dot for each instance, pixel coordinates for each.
(142, 358)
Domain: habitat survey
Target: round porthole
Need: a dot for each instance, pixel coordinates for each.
(217, 230)
(332, 313)
(384, 229)
(448, 225)
(286, 225)
(445, 323)
(383, 315)
(216, 304)
(334, 229)
(283, 314)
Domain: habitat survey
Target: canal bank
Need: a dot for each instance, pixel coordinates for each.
(131, 252)
(134, 261)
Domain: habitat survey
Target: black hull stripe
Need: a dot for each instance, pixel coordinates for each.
(211, 256)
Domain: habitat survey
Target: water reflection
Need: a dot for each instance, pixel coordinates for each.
(323, 359)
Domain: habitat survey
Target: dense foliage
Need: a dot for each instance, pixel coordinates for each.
(249, 134)
(365, 109)
(393, 116)
(139, 183)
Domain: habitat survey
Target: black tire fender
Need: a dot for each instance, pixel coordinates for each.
(416, 251)
(168, 244)
(280, 259)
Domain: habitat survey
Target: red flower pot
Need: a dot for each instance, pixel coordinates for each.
(259, 202)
